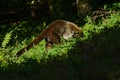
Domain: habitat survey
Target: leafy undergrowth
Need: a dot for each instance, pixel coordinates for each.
(96, 56)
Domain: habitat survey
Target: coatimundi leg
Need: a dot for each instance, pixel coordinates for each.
(52, 38)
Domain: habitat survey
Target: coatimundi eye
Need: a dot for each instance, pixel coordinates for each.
(75, 34)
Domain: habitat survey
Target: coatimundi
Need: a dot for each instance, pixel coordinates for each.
(53, 33)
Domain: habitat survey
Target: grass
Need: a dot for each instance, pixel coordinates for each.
(93, 57)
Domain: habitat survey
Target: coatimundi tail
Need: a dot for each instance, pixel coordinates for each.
(53, 33)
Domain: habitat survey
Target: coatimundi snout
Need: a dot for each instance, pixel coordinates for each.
(53, 33)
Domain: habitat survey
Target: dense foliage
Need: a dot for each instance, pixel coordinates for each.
(95, 56)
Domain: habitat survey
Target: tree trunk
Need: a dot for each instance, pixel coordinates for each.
(83, 7)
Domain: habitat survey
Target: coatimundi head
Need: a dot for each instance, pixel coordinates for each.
(78, 33)
(71, 30)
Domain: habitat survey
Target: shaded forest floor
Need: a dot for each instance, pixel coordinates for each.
(97, 58)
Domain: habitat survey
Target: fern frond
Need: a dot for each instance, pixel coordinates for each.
(7, 39)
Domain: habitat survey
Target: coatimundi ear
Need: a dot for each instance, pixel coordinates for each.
(80, 32)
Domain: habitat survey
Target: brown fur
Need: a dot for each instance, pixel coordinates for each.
(53, 33)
